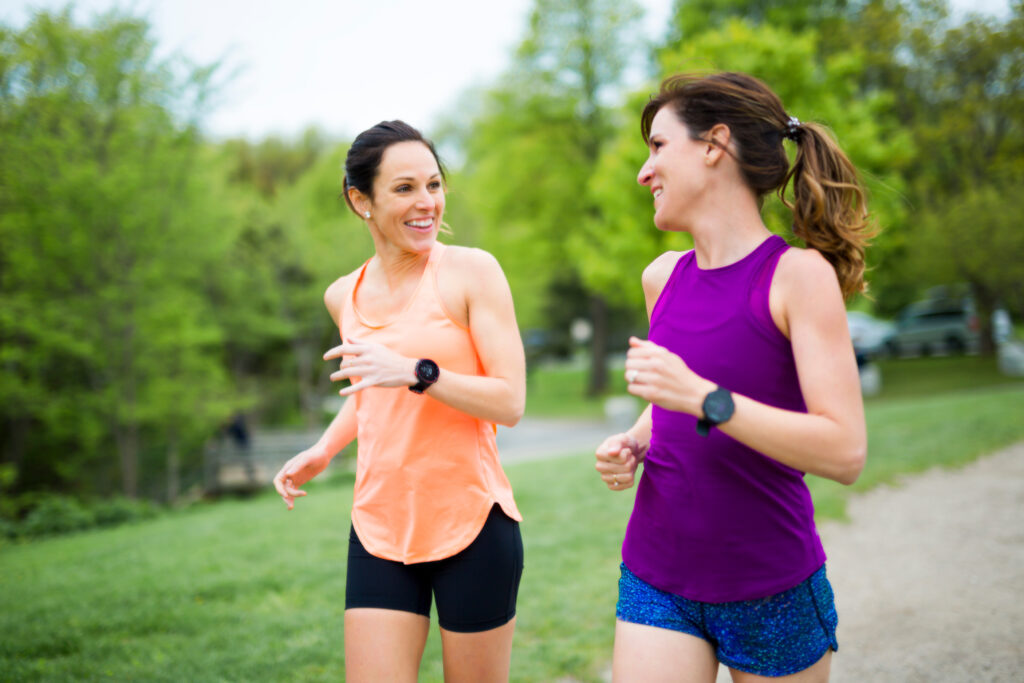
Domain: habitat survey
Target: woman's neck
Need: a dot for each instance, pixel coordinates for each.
(729, 230)
(395, 265)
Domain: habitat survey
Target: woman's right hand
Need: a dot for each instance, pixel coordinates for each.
(617, 459)
(297, 472)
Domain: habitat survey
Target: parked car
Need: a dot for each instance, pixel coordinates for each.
(1002, 326)
(868, 334)
(936, 325)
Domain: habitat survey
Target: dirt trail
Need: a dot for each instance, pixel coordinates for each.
(929, 577)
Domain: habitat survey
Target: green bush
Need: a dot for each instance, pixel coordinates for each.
(48, 514)
(8, 529)
(114, 511)
(57, 515)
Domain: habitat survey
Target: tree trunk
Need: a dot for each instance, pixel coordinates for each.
(127, 438)
(303, 350)
(173, 467)
(126, 427)
(984, 304)
(598, 381)
(14, 443)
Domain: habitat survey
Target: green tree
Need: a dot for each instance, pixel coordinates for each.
(324, 241)
(276, 337)
(615, 248)
(533, 147)
(960, 95)
(104, 249)
(297, 237)
(967, 238)
(693, 17)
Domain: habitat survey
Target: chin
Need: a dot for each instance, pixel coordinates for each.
(664, 225)
(423, 243)
(668, 224)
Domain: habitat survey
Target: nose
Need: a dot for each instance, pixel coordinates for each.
(646, 173)
(425, 200)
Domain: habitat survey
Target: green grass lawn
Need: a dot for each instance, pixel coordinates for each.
(558, 389)
(907, 377)
(245, 591)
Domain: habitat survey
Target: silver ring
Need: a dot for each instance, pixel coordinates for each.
(631, 376)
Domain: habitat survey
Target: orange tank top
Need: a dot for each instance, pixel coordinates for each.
(427, 475)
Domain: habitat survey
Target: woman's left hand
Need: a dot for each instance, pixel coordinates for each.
(659, 376)
(374, 364)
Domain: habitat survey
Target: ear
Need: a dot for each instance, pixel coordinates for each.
(718, 142)
(359, 200)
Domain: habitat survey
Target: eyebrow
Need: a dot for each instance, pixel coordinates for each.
(405, 177)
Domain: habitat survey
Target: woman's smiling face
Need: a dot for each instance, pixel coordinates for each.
(408, 197)
(676, 171)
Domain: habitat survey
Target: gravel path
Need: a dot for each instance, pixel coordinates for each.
(929, 577)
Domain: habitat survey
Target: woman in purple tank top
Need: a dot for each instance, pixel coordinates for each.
(752, 382)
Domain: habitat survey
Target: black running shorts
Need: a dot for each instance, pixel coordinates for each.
(475, 589)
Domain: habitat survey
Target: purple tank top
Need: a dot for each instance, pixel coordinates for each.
(714, 520)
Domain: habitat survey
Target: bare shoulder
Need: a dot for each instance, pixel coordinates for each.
(471, 259)
(337, 292)
(472, 267)
(658, 271)
(656, 276)
(805, 290)
(805, 271)
(469, 277)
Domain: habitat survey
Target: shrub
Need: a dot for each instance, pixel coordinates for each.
(8, 529)
(57, 515)
(114, 511)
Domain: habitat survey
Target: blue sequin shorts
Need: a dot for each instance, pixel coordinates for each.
(775, 636)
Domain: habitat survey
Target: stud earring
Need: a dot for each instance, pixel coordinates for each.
(367, 214)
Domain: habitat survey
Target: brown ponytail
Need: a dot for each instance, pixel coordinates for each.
(829, 206)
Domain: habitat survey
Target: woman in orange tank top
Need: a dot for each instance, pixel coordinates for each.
(433, 354)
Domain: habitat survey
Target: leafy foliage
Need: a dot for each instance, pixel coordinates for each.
(153, 283)
(822, 89)
(107, 339)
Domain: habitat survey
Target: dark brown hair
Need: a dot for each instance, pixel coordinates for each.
(829, 205)
(363, 160)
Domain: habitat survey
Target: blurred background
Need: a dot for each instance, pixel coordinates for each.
(170, 213)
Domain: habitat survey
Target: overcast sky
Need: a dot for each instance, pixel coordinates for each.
(343, 65)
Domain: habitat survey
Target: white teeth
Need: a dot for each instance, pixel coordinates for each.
(657, 193)
(425, 223)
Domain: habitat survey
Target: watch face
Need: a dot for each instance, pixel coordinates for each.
(718, 405)
(427, 371)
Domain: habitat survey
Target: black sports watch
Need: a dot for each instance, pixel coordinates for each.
(427, 373)
(718, 408)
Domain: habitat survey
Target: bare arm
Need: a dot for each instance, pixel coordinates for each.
(830, 439)
(499, 395)
(620, 454)
(339, 434)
